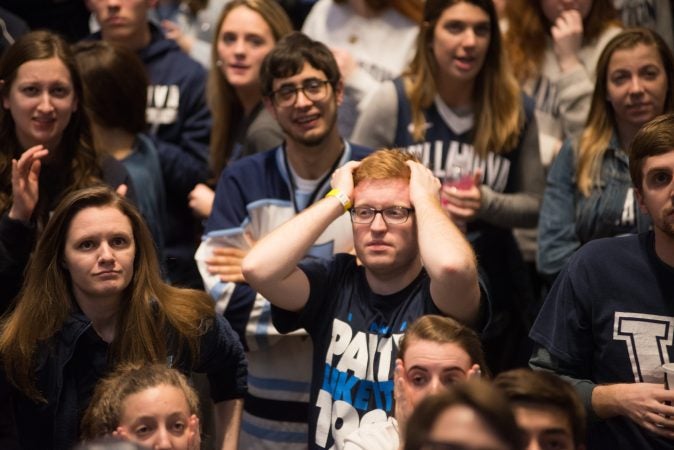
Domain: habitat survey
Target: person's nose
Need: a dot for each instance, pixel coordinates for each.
(436, 387)
(533, 444)
(162, 440)
(469, 37)
(302, 101)
(568, 4)
(636, 86)
(105, 254)
(46, 104)
(113, 5)
(239, 48)
(378, 222)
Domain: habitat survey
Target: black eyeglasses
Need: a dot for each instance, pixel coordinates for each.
(313, 89)
(392, 215)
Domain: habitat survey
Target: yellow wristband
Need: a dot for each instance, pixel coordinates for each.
(342, 197)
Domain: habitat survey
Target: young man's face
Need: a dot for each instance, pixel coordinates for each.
(121, 20)
(385, 248)
(656, 196)
(545, 427)
(307, 122)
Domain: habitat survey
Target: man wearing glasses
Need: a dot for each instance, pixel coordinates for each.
(302, 89)
(413, 261)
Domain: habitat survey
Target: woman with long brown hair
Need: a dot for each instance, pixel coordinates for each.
(94, 298)
(589, 193)
(460, 109)
(46, 147)
(247, 31)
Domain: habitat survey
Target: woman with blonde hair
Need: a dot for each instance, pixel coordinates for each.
(553, 47)
(460, 109)
(148, 404)
(94, 298)
(247, 31)
(589, 194)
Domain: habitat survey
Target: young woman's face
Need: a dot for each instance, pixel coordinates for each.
(553, 8)
(460, 42)
(637, 86)
(244, 40)
(41, 101)
(159, 418)
(99, 253)
(431, 367)
(462, 427)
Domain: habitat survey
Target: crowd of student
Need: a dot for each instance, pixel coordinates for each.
(364, 235)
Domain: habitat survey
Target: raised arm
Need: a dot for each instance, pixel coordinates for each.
(271, 266)
(446, 254)
(25, 183)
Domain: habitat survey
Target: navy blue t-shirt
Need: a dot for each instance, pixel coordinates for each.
(610, 319)
(355, 334)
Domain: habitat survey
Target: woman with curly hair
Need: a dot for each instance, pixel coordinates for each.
(148, 404)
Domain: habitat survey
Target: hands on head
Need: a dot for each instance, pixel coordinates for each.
(342, 178)
(424, 186)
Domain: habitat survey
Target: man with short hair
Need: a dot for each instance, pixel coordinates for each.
(607, 324)
(179, 120)
(302, 89)
(546, 407)
(413, 261)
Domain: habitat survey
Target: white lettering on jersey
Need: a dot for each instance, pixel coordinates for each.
(629, 213)
(357, 380)
(162, 104)
(647, 337)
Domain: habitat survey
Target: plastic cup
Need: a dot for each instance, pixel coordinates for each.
(459, 177)
(669, 375)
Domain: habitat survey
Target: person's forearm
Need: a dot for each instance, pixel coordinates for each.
(606, 401)
(449, 260)
(275, 256)
(228, 423)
